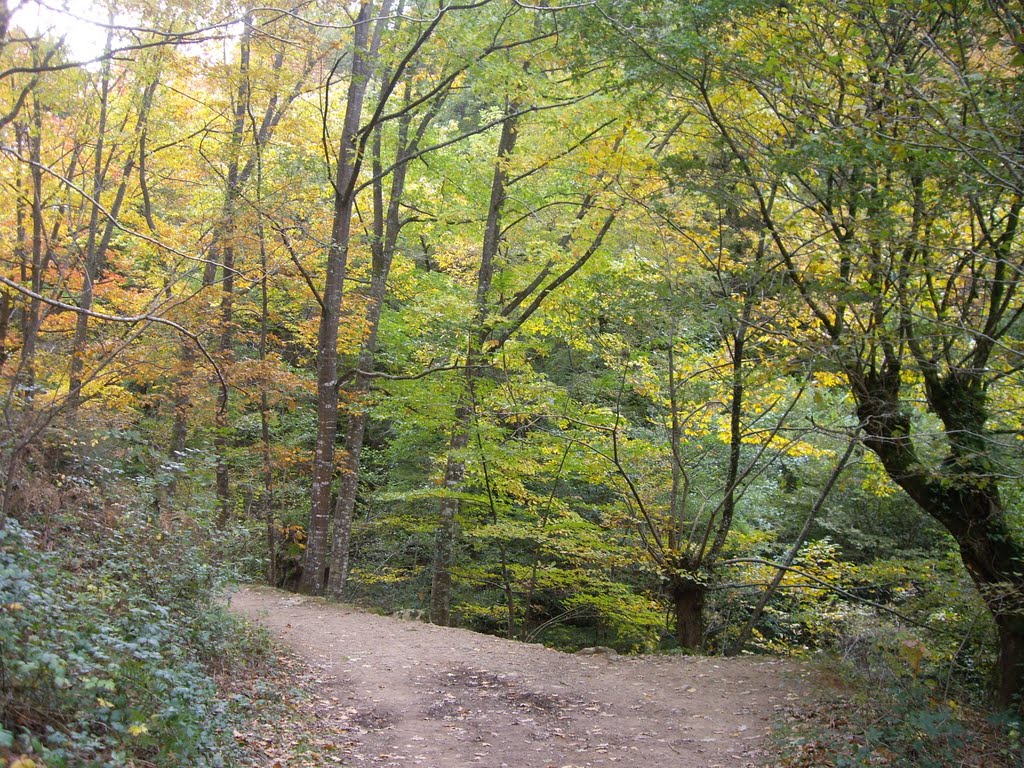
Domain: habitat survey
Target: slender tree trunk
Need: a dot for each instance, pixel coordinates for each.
(267, 494)
(229, 234)
(386, 227)
(349, 161)
(766, 595)
(348, 485)
(266, 502)
(32, 318)
(739, 339)
(20, 230)
(679, 494)
(455, 466)
(6, 309)
(147, 203)
(688, 595)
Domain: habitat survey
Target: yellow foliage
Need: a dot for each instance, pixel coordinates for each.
(111, 397)
(826, 379)
(876, 481)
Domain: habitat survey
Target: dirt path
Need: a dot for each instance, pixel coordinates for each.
(409, 694)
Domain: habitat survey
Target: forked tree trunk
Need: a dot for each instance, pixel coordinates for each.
(315, 561)
(386, 227)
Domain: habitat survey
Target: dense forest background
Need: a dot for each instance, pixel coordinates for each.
(664, 326)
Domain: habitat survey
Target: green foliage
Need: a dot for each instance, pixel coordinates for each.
(823, 186)
(903, 704)
(899, 726)
(942, 637)
(106, 650)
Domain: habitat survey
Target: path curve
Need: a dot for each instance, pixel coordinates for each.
(409, 694)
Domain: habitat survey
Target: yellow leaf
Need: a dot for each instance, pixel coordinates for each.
(138, 728)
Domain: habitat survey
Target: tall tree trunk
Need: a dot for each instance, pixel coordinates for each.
(229, 233)
(6, 309)
(267, 493)
(349, 162)
(33, 315)
(20, 229)
(266, 502)
(386, 226)
(455, 466)
(20, 249)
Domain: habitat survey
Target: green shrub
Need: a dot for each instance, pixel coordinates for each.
(102, 651)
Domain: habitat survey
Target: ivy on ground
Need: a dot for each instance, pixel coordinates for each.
(106, 649)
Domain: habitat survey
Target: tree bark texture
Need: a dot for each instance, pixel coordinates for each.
(688, 601)
(315, 561)
(385, 237)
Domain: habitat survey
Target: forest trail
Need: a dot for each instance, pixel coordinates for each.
(410, 694)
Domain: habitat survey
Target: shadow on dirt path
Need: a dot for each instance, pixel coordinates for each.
(411, 694)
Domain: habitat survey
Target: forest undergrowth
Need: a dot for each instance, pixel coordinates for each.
(879, 711)
(116, 650)
(112, 638)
